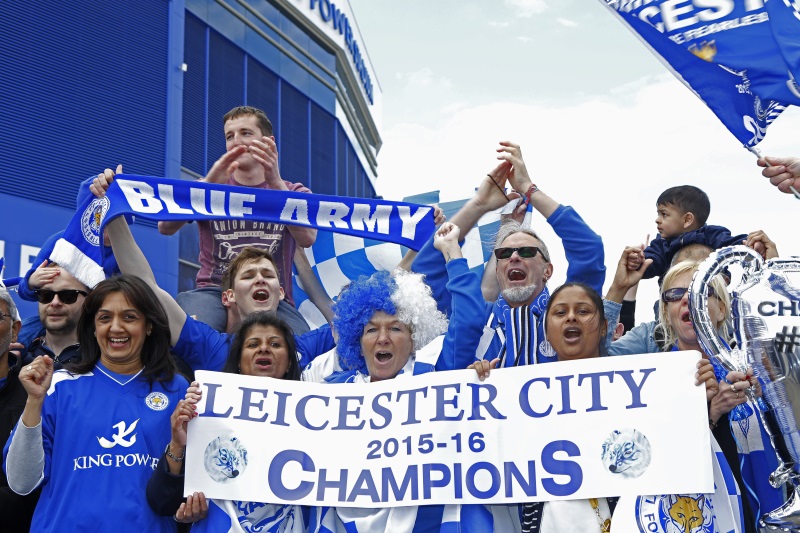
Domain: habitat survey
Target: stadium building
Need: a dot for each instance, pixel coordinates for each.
(145, 83)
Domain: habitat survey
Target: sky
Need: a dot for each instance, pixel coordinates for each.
(602, 124)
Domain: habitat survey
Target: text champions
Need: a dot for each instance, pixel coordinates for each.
(525, 434)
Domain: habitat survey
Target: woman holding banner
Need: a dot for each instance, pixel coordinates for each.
(576, 328)
(97, 427)
(388, 327)
(744, 442)
(263, 345)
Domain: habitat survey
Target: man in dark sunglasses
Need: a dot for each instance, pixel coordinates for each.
(514, 331)
(60, 303)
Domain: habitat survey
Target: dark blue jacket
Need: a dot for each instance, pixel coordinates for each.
(661, 251)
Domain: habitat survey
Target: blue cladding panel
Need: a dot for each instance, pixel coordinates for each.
(96, 98)
(353, 167)
(342, 145)
(194, 103)
(323, 134)
(262, 90)
(293, 140)
(225, 90)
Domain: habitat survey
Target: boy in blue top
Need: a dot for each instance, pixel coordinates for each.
(681, 220)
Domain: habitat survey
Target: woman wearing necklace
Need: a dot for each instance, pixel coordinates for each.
(91, 434)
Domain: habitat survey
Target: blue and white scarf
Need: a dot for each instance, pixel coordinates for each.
(516, 334)
(80, 250)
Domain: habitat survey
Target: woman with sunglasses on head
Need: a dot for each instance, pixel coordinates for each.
(753, 459)
(91, 434)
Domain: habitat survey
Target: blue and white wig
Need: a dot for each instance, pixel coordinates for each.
(401, 293)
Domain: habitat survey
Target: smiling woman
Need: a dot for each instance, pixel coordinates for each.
(99, 426)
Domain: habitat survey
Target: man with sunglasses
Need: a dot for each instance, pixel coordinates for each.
(60, 303)
(514, 331)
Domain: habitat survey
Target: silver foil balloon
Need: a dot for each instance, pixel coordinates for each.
(765, 309)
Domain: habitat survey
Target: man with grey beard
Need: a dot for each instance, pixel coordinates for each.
(60, 300)
(16, 511)
(514, 331)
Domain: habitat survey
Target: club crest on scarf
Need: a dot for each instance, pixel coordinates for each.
(92, 218)
(225, 459)
(626, 452)
(675, 513)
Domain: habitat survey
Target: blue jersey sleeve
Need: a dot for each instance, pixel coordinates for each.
(201, 346)
(466, 319)
(582, 247)
(315, 342)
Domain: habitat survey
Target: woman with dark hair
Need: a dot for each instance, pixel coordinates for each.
(264, 346)
(576, 328)
(98, 427)
(254, 327)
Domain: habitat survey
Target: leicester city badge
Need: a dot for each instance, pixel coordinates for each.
(157, 401)
(675, 513)
(92, 218)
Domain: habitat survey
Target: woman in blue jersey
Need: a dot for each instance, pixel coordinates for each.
(91, 435)
(264, 346)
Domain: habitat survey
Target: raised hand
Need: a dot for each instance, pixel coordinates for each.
(782, 172)
(484, 367)
(223, 167)
(43, 275)
(518, 175)
(103, 180)
(36, 377)
(265, 152)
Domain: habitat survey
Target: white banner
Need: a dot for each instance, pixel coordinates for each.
(598, 427)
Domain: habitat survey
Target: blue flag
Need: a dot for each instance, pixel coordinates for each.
(725, 52)
(784, 18)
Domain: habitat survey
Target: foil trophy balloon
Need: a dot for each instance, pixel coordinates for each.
(765, 308)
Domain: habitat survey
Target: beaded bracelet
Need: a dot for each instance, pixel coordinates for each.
(176, 459)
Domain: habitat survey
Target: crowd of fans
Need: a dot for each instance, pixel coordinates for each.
(111, 365)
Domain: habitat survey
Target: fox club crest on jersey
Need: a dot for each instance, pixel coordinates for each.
(92, 218)
(675, 513)
(157, 401)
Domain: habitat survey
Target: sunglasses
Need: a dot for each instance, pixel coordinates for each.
(67, 296)
(525, 252)
(676, 294)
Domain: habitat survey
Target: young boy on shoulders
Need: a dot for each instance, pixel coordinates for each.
(681, 220)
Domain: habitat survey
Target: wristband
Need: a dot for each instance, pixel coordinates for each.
(532, 189)
(176, 459)
(712, 425)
